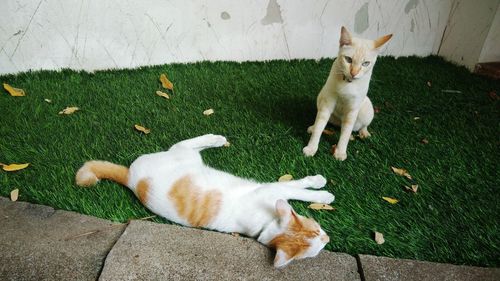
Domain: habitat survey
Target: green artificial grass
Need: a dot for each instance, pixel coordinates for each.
(264, 110)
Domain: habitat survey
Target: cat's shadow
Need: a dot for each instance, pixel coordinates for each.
(296, 113)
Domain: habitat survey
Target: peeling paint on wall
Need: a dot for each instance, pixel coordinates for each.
(225, 15)
(361, 19)
(412, 4)
(273, 14)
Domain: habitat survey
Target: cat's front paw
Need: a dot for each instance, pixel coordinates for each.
(309, 150)
(340, 155)
(317, 181)
(325, 197)
(364, 134)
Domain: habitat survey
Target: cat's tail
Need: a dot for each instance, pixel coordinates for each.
(92, 171)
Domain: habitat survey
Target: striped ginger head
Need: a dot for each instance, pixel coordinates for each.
(299, 237)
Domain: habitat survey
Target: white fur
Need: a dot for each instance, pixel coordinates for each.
(247, 207)
(343, 99)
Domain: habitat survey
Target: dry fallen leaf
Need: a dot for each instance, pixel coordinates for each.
(209, 111)
(379, 238)
(376, 109)
(424, 141)
(493, 95)
(390, 200)
(14, 167)
(142, 129)
(333, 148)
(15, 92)
(429, 83)
(416, 118)
(69, 110)
(14, 194)
(413, 188)
(401, 172)
(319, 206)
(286, 177)
(162, 94)
(165, 82)
(47, 100)
(328, 132)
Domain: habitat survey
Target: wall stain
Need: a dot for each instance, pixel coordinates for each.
(361, 19)
(225, 15)
(273, 14)
(412, 27)
(412, 4)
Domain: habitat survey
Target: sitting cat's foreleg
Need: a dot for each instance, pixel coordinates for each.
(345, 133)
(201, 142)
(316, 130)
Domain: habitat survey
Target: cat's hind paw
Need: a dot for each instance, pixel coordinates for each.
(317, 181)
(215, 140)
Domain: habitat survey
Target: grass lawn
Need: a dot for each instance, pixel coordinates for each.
(264, 110)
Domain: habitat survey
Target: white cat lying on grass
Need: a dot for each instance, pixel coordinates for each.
(177, 185)
(343, 100)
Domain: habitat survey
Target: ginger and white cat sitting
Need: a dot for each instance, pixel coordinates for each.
(175, 184)
(343, 100)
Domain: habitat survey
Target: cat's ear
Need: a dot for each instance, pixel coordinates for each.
(381, 41)
(281, 258)
(345, 37)
(284, 211)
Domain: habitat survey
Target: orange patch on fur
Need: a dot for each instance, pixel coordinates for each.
(198, 208)
(142, 190)
(294, 242)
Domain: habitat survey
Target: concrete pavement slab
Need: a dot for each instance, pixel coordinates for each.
(40, 243)
(388, 269)
(150, 251)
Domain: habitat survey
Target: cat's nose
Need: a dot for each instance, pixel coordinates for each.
(354, 71)
(324, 238)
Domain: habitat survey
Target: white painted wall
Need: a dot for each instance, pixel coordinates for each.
(467, 30)
(97, 34)
(491, 47)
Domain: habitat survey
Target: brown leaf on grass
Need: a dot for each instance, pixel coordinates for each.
(142, 129)
(390, 200)
(413, 188)
(165, 83)
(208, 112)
(379, 238)
(333, 148)
(376, 109)
(328, 132)
(429, 83)
(286, 177)
(14, 194)
(320, 206)
(402, 172)
(15, 92)
(14, 167)
(424, 141)
(162, 94)
(69, 110)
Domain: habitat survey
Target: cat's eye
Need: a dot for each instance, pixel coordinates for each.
(348, 59)
(366, 63)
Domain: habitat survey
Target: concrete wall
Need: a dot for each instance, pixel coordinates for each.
(469, 25)
(491, 47)
(96, 34)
